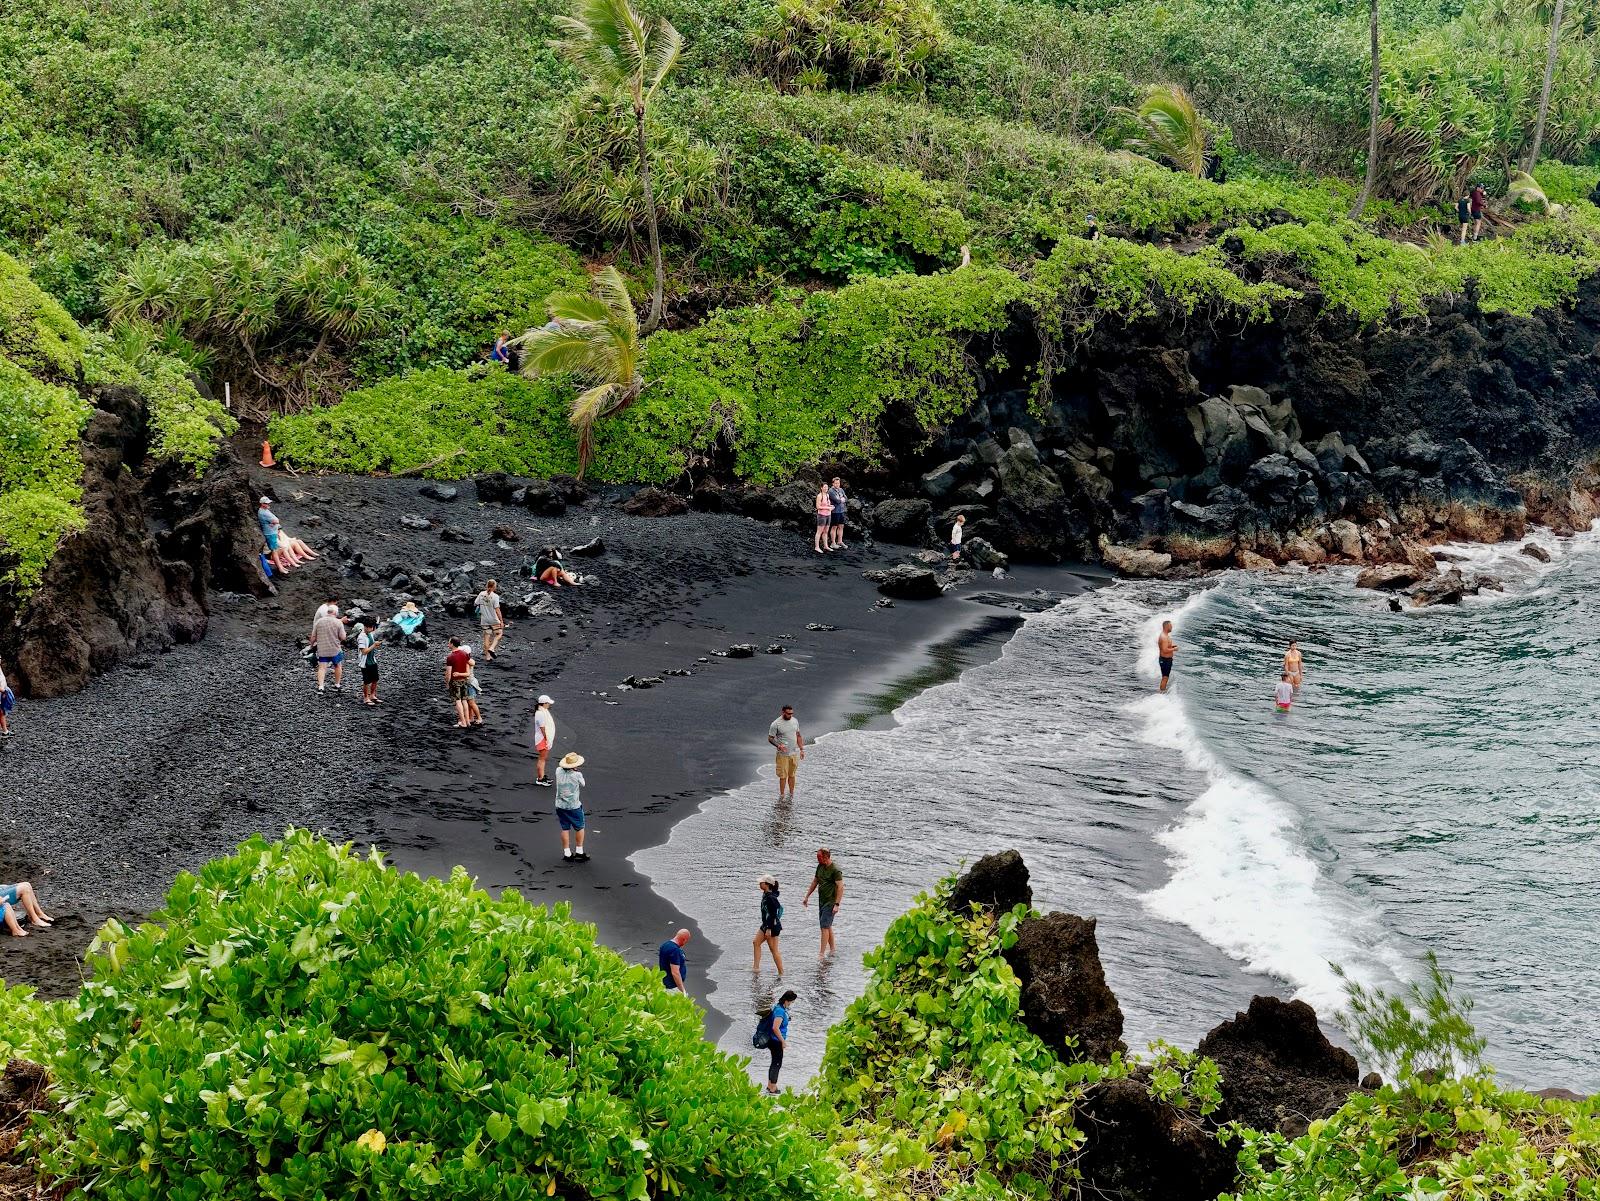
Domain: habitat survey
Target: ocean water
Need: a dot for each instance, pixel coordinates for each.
(1435, 787)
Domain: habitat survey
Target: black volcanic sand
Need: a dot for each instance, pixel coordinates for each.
(165, 763)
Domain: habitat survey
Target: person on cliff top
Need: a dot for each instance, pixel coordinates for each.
(367, 660)
(1464, 215)
(1478, 208)
(828, 884)
(21, 896)
(327, 640)
(569, 805)
(544, 737)
(1283, 694)
(779, 1020)
(771, 927)
(674, 967)
(8, 702)
(457, 669)
(1166, 648)
(955, 537)
(490, 619)
(836, 518)
(824, 507)
(784, 734)
(1294, 665)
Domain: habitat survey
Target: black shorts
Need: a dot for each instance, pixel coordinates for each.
(369, 674)
(836, 519)
(1166, 665)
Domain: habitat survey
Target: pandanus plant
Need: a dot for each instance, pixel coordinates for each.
(1167, 127)
(594, 337)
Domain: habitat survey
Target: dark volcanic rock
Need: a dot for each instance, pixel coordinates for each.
(655, 502)
(740, 650)
(1138, 1148)
(456, 534)
(998, 882)
(544, 497)
(793, 502)
(1064, 991)
(590, 549)
(415, 521)
(907, 583)
(1534, 551)
(981, 555)
(505, 533)
(496, 487)
(1391, 576)
(1279, 1071)
(902, 521)
(440, 492)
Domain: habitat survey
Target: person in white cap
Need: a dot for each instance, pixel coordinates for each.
(569, 805)
(544, 737)
(268, 520)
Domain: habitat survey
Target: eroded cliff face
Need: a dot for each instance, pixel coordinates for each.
(1176, 444)
(135, 580)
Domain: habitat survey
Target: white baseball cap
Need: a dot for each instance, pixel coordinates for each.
(544, 700)
(266, 500)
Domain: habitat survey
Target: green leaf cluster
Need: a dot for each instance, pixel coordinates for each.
(300, 1021)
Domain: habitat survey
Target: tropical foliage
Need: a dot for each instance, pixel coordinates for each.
(1167, 128)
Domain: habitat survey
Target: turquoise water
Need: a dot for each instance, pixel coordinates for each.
(1435, 787)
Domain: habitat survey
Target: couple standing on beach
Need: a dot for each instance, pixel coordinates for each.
(832, 511)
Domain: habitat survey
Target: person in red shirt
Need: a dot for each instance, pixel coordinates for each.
(457, 671)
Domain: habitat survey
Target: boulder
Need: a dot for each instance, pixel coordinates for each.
(982, 555)
(655, 502)
(439, 492)
(453, 533)
(1279, 1071)
(1032, 505)
(1064, 991)
(544, 497)
(496, 487)
(1134, 561)
(1139, 1148)
(1298, 546)
(1222, 436)
(1534, 551)
(906, 582)
(941, 481)
(1344, 538)
(1279, 414)
(1249, 560)
(1391, 577)
(1273, 480)
(594, 547)
(505, 533)
(1451, 588)
(741, 650)
(414, 521)
(997, 882)
(710, 497)
(902, 521)
(794, 502)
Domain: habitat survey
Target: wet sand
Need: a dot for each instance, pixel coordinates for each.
(163, 764)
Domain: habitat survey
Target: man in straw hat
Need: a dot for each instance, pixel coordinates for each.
(569, 805)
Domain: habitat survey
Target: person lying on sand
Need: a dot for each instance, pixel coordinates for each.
(410, 618)
(21, 896)
(547, 569)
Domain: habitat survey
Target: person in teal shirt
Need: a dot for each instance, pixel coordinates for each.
(780, 1037)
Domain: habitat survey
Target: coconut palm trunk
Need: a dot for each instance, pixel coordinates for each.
(658, 297)
(1372, 118)
(1544, 92)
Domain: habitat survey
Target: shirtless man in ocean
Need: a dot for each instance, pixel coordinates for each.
(1293, 666)
(1165, 649)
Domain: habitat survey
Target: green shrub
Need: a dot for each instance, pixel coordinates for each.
(298, 1021)
(186, 425)
(40, 473)
(30, 1028)
(35, 331)
(850, 41)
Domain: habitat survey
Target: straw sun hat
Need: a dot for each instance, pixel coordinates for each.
(571, 760)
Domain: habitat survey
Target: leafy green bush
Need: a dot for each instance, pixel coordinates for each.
(35, 331)
(40, 473)
(186, 425)
(298, 1021)
(30, 1028)
(809, 42)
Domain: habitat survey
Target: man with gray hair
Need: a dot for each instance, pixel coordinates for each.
(673, 965)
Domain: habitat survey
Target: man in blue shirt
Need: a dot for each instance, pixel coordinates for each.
(837, 519)
(673, 966)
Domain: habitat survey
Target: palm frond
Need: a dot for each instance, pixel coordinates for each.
(666, 44)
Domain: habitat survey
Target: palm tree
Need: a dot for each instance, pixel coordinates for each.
(1372, 121)
(617, 50)
(595, 337)
(1167, 126)
(1532, 156)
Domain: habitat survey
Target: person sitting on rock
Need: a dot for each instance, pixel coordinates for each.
(21, 896)
(547, 569)
(294, 549)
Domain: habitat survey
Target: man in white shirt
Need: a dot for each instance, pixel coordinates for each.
(784, 734)
(544, 737)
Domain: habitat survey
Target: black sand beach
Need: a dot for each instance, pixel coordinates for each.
(163, 764)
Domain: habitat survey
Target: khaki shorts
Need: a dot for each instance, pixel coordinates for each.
(788, 765)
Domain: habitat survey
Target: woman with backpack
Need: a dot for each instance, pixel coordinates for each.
(771, 924)
(772, 1032)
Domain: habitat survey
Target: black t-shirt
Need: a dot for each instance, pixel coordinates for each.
(770, 923)
(1464, 209)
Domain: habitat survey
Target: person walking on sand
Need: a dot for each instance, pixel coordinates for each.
(1283, 694)
(474, 689)
(327, 638)
(457, 670)
(8, 702)
(1293, 665)
(784, 734)
(544, 737)
(836, 518)
(824, 505)
(490, 619)
(21, 896)
(367, 660)
(1464, 215)
(674, 967)
(569, 805)
(771, 924)
(955, 537)
(1479, 204)
(828, 884)
(779, 1025)
(1166, 648)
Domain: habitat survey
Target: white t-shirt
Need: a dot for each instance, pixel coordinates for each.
(3, 684)
(488, 605)
(955, 534)
(1284, 693)
(788, 735)
(324, 610)
(363, 645)
(544, 728)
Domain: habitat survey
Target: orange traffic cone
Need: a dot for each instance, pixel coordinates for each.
(266, 455)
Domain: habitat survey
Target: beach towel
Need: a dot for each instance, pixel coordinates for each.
(409, 623)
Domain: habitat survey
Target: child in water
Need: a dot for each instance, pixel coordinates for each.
(1284, 693)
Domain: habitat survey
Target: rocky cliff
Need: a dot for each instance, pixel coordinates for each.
(135, 580)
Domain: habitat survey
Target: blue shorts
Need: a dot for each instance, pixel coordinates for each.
(570, 819)
(333, 659)
(272, 541)
(8, 894)
(825, 916)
